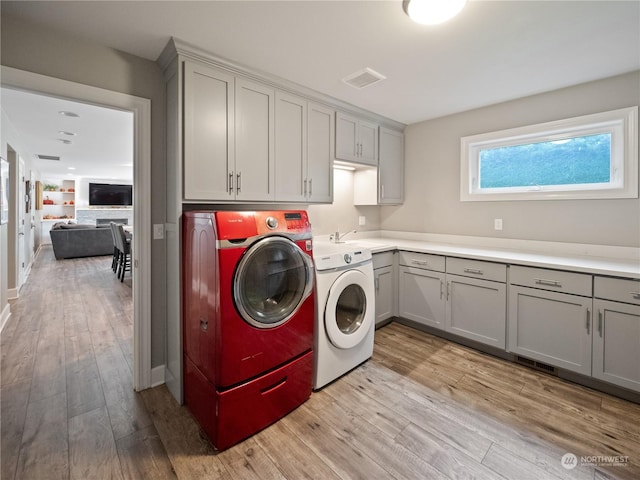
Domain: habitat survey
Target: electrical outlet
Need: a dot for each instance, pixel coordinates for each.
(158, 231)
(497, 224)
(362, 220)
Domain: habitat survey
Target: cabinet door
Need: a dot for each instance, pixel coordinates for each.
(384, 283)
(421, 296)
(368, 139)
(616, 343)
(208, 132)
(551, 327)
(391, 167)
(320, 148)
(477, 309)
(347, 147)
(254, 162)
(291, 148)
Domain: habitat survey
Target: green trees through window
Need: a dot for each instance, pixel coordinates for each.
(570, 161)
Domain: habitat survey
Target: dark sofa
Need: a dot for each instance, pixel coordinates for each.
(76, 240)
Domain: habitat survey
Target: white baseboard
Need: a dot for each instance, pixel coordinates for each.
(4, 317)
(12, 293)
(157, 376)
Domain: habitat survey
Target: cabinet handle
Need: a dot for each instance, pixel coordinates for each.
(441, 289)
(230, 183)
(475, 271)
(419, 262)
(635, 295)
(377, 284)
(310, 186)
(238, 178)
(304, 188)
(600, 322)
(550, 283)
(448, 290)
(588, 321)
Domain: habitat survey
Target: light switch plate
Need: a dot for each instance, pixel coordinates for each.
(362, 220)
(158, 231)
(497, 224)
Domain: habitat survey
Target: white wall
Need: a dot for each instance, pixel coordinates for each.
(432, 170)
(342, 215)
(10, 139)
(46, 51)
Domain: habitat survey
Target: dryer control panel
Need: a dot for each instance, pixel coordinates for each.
(238, 225)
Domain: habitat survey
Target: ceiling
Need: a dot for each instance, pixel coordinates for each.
(102, 146)
(493, 51)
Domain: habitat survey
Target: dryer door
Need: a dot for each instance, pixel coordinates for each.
(273, 278)
(349, 312)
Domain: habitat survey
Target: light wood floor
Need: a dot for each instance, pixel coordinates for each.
(421, 408)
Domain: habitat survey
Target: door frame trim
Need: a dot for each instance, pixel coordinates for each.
(141, 273)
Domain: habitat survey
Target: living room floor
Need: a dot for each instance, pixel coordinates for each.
(422, 407)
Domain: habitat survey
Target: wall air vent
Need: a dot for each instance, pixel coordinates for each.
(363, 78)
(537, 365)
(48, 157)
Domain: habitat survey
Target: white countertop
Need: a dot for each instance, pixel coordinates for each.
(617, 267)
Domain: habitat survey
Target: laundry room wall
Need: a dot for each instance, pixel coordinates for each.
(432, 178)
(342, 215)
(37, 49)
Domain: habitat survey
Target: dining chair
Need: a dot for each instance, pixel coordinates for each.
(116, 250)
(124, 263)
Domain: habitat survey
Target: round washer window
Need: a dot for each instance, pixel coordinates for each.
(272, 279)
(350, 309)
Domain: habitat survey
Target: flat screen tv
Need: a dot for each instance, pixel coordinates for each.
(110, 194)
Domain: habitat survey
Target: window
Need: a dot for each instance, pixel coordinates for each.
(594, 156)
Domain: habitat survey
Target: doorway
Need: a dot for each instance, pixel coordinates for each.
(141, 261)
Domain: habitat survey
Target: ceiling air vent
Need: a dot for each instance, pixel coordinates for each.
(363, 78)
(48, 157)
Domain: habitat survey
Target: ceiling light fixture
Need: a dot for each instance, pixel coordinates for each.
(432, 12)
(64, 140)
(66, 113)
(70, 134)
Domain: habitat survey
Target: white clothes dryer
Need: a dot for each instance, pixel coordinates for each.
(345, 310)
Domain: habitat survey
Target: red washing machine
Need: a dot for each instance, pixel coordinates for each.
(248, 319)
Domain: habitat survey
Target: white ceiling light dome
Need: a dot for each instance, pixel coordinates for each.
(432, 12)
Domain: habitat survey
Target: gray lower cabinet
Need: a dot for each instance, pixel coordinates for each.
(384, 283)
(554, 328)
(384, 271)
(421, 296)
(616, 335)
(476, 309)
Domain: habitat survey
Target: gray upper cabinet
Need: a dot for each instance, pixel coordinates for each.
(228, 136)
(291, 147)
(320, 153)
(253, 176)
(356, 140)
(208, 132)
(391, 167)
(304, 150)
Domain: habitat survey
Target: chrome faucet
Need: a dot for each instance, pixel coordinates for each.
(337, 238)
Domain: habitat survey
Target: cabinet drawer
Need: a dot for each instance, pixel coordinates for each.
(422, 260)
(477, 269)
(384, 259)
(555, 280)
(617, 289)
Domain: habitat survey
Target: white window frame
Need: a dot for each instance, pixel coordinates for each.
(622, 124)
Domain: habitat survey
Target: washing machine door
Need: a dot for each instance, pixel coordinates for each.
(273, 278)
(349, 312)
